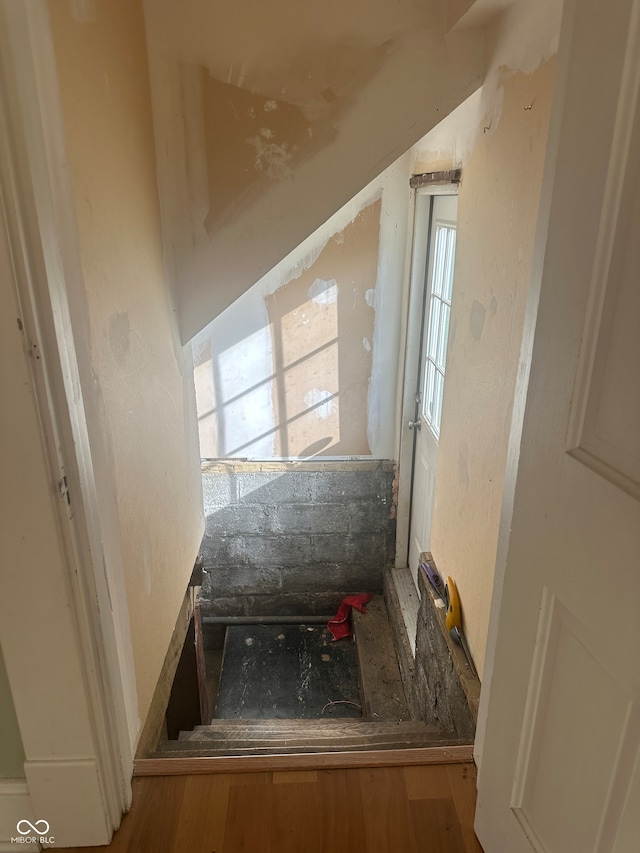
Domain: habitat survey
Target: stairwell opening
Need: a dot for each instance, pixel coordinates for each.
(297, 397)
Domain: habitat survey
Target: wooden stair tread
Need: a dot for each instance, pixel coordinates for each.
(267, 737)
(302, 744)
(317, 727)
(288, 737)
(185, 748)
(380, 679)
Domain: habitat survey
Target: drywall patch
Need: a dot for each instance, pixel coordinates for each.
(366, 344)
(370, 298)
(476, 320)
(323, 292)
(271, 159)
(323, 403)
(248, 140)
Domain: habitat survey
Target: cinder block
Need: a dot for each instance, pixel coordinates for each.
(280, 550)
(347, 486)
(334, 548)
(268, 487)
(311, 518)
(367, 517)
(242, 581)
(215, 550)
(239, 520)
(369, 548)
(279, 604)
(219, 490)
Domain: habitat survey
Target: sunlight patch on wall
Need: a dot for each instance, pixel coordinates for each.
(287, 373)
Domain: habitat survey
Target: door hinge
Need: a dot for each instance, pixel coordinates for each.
(64, 490)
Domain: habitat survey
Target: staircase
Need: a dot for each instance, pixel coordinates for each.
(286, 737)
(385, 724)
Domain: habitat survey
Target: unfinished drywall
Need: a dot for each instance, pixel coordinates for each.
(269, 121)
(294, 537)
(497, 214)
(136, 379)
(11, 749)
(286, 374)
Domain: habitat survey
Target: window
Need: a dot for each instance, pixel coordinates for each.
(438, 325)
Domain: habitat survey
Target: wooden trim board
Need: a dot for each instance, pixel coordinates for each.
(302, 761)
(154, 721)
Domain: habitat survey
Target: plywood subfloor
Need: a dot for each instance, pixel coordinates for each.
(368, 810)
(287, 672)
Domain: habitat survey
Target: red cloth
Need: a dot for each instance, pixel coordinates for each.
(339, 625)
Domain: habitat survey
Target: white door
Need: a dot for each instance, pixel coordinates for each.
(433, 351)
(560, 756)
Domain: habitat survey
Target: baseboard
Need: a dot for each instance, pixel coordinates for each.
(68, 795)
(15, 805)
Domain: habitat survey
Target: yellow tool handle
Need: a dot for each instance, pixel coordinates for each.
(454, 613)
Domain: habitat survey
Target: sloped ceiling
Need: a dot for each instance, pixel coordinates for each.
(271, 116)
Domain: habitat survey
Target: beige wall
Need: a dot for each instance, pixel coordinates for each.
(497, 217)
(11, 751)
(137, 382)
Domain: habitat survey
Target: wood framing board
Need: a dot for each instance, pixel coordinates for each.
(154, 722)
(409, 601)
(205, 711)
(380, 681)
(431, 179)
(303, 761)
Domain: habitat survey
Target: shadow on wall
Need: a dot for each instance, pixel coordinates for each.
(286, 374)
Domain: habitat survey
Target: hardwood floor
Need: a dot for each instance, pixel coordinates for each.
(417, 809)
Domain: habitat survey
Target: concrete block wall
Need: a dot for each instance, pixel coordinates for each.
(294, 537)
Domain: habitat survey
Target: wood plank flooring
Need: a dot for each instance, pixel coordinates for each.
(418, 809)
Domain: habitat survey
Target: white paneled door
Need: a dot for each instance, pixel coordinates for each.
(560, 757)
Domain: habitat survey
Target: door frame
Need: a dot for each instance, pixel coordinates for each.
(415, 289)
(38, 215)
